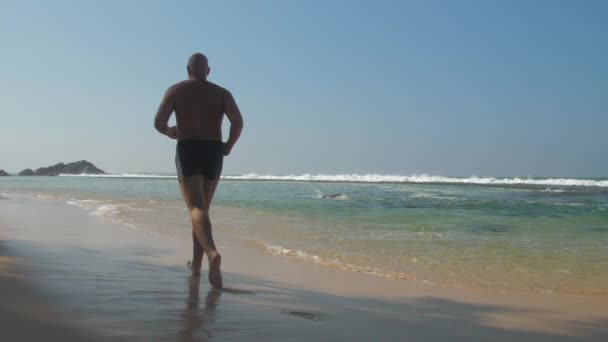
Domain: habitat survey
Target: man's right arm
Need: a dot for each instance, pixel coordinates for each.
(236, 122)
(164, 113)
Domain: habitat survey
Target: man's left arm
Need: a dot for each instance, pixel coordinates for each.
(164, 113)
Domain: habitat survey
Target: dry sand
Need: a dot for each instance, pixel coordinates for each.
(60, 265)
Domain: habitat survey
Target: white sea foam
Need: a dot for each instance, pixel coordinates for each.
(278, 250)
(433, 196)
(377, 178)
(301, 255)
(106, 210)
(119, 175)
(84, 204)
(115, 213)
(318, 194)
(96, 207)
(554, 190)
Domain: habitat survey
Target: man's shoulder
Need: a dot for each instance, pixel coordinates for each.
(180, 85)
(174, 89)
(187, 84)
(217, 87)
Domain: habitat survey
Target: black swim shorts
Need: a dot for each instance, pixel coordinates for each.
(199, 157)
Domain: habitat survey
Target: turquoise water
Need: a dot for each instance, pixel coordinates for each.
(535, 235)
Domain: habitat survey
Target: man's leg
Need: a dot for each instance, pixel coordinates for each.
(215, 275)
(194, 196)
(197, 250)
(209, 190)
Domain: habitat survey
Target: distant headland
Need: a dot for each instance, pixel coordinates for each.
(74, 168)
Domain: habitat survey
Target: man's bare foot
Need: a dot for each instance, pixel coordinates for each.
(215, 275)
(195, 269)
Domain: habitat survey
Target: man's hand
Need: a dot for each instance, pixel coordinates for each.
(227, 148)
(172, 132)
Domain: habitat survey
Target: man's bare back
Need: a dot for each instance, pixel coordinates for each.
(199, 107)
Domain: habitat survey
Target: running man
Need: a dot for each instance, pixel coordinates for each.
(199, 107)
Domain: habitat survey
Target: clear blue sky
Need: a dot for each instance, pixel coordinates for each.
(486, 88)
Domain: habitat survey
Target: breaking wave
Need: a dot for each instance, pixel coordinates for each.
(428, 179)
(118, 175)
(377, 178)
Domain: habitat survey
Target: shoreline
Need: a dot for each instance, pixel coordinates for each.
(227, 218)
(88, 262)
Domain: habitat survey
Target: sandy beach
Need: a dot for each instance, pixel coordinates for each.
(356, 170)
(67, 275)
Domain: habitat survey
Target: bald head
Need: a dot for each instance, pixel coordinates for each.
(198, 66)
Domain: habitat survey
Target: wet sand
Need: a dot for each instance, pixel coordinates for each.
(26, 315)
(77, 275)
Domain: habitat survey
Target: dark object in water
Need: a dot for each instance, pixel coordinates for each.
(332, 196)
(491, 228)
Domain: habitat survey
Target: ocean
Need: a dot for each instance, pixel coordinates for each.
(510, 234)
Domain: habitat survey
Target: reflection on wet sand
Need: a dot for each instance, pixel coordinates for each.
(195, 321)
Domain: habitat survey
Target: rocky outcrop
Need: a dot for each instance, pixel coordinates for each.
(74, 168)
(3, 173)
(26, 172)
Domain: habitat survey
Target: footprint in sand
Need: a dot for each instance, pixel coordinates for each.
(232, 290)
(302, 314)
